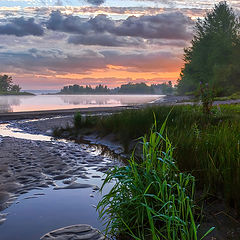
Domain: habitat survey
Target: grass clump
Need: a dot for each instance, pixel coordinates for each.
(234, 96)
(151, 198)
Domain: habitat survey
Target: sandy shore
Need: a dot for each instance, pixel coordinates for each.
(59, 112)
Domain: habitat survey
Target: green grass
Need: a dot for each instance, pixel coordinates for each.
(207, 146)
(234, 96)
(151, 198)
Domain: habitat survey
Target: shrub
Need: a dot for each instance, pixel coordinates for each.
(77, 120)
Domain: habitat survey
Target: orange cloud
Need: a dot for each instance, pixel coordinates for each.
(120, 73)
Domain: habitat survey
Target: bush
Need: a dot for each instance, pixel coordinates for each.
(77, 120)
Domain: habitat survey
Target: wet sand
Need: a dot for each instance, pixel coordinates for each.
(60, 112)
(26, 164)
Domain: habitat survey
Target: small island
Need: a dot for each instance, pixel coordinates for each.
(7, 87)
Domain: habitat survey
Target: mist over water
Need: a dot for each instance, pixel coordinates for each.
(54, 102)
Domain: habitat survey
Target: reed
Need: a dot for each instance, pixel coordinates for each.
(151, 198)
(207, 146)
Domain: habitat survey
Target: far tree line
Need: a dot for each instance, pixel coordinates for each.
(130, 88)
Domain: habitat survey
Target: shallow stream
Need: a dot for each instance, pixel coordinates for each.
(34, 211)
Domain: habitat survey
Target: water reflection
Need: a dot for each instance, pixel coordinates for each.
(44, 209)
(93, 100)
(6, 130)
(7, 103)
(53, 102)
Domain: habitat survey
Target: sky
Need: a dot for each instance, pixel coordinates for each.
(47, 44)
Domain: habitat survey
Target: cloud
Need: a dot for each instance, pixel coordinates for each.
(37, 61)
(159, 61)
(161, 26)
(58, 3)
(69, 24)
(22, 27)
(105, 39)
(96, 2)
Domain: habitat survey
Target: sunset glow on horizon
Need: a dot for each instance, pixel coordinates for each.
(46, 44)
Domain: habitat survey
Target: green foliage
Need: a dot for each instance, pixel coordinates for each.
(76, 89)
(138, 88)
(77, 120)
(207, 97)
(234, 96)
(7, 86)
(151, 198)
(205, 145)
(214, 55)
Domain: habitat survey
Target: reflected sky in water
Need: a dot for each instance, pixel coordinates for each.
(53, 102)
(42, 210)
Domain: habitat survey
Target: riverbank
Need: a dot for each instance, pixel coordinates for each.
(60, 112)
(54, 104)
(89, 110)
(204, 145)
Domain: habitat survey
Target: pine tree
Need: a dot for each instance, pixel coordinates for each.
(210, 57)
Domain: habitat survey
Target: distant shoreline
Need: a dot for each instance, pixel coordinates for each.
(107, 94)
(17, 94)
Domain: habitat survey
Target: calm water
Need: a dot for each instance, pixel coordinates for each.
(39, 211)
(52, 102)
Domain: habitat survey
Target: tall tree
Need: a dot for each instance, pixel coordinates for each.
(5, 83)
(210, 57)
